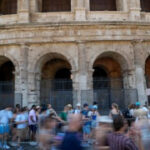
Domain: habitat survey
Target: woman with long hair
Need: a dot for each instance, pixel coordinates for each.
(115, 111)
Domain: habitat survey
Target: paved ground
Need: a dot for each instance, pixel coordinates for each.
(28, 147)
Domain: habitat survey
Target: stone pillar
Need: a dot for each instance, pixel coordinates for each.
(140, 84)
(21, 78)
(23, 11)
(135, 10)
(125, 5)
(87, 4)
(139, 59)
(80, 10)
(129, 79)
(35, 5)
(34, 87)
(80, 77)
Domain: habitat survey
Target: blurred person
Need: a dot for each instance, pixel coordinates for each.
(145, 108)
(38, 110)
(143, 126)
(46, 135)
(50, 110)
(21, 121)
(5, 117)
(139, 112)
(73, 138)
(87, 124)
(94, 116)
(103, 129)
(118, 140)
(32, 124)
(42, 114)
(115, 112)
(78, 109)
(64, 114)
(95, 104)
(26, 114)
(70, 109)
(18, 107)
(16, 111)
(132, 109)
(128, 115)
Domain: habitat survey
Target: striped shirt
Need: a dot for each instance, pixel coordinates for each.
(118, 141)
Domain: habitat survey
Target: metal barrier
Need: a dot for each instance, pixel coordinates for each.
(104, 98)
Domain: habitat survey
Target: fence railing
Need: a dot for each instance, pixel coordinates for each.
(104, 98)
(108, 83)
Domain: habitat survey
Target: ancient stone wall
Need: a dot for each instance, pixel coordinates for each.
(30, 38)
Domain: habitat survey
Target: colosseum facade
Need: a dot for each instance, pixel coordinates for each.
(50, 50)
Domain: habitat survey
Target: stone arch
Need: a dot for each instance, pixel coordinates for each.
(13, 60)
(45, 56)
(122, 60)
(47, 84)
(105, 88)
(8, 67)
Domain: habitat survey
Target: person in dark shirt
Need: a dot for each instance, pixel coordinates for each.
(72, 139)
(87, 123)
(118, 140)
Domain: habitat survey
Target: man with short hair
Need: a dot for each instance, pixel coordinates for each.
(117, 140)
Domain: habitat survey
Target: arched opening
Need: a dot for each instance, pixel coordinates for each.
(7, 78)
(103, 5)
(147, 75)
(107, 74)
(56, 5)
(147, 72)
(8, 7)
(145, 5)
(107, 82)
(56, 83)
(100, 78)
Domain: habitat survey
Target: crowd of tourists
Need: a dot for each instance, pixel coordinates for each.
(76, 129)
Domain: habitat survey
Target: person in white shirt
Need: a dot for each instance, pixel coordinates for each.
(78, 109)
(5, 117)
(21, 121)
(33, 122)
